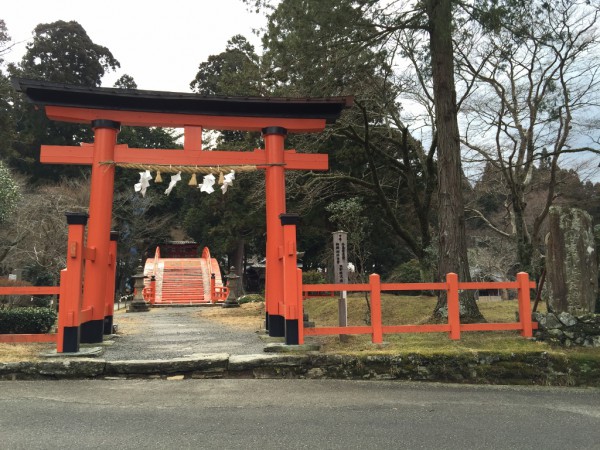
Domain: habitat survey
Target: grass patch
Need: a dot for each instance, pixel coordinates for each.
(400, 310)
(23, 352)
(407, 310)
(249, 316)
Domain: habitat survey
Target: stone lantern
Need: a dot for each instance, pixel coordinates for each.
(235, 288)
(138, 304)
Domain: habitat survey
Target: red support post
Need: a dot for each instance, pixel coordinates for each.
(70, 300)
(376, 321)
(290, 279)
(524, 304)
(453, 306)
(274, 138)
(101, 199)
(300, 300)
(111, 275)
(152, 289)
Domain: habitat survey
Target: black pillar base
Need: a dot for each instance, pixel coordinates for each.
(108, 324)
(276, 326)
(291, 332)
(71, 340)
(92, 331)
(266, 321)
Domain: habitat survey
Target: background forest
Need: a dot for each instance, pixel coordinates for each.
(471, 119)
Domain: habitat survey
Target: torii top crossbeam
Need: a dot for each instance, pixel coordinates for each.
(135, 107)
(192, 112)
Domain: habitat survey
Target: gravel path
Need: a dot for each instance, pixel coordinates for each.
(177, 332)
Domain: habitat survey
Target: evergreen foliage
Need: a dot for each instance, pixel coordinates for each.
(9, 193)
(384, 179)
(26, 320)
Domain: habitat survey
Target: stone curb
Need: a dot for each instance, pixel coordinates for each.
(483, 368)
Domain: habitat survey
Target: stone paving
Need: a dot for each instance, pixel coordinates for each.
(177, 332)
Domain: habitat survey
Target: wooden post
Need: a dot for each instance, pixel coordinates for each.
(453, 306)
(293, 318)
(524, 304)
(98, 238)
(70, 286)
(274, 138)
(111, 274)
(375, 283)
(300, 307)
(340, 274)
(152, 289)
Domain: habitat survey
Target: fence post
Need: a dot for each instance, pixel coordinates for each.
(63, 319)
(70, 301)
(111, 274)
(152, 289)
(300, 308)
(290, 279)
(375, 283)
(453, 306)
(524, 304)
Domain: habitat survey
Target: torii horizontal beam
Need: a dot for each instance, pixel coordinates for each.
(59, 154)
(144, 119)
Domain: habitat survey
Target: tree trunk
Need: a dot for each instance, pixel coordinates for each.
(524, 247)
(237, 259)
(452, 237)
(571, 265)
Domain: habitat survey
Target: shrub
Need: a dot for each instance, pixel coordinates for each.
(26, 320)
(250, 298)
(313, 277)
(408, 272)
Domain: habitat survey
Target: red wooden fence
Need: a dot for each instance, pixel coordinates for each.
(29, 290)
(452, 286)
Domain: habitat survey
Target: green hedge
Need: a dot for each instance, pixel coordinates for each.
(26, 320)
(313, 277)
(250, 298)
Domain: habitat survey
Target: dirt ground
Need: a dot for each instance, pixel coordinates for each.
(249, 317)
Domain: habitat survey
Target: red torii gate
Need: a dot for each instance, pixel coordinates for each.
(107, 109)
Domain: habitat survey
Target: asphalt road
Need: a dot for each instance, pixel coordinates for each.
(294, 414)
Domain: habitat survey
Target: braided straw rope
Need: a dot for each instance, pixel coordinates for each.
(183, 169)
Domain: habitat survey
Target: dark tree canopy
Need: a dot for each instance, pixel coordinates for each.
(59, 52)
(232, 72)
(63, 52)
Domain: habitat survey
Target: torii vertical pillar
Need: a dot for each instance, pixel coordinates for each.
(275, 205)
(98, 238)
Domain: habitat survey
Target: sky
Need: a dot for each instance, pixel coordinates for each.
(160, 44)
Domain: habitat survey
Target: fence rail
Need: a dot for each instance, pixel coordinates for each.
(29, 290)
(452, 287)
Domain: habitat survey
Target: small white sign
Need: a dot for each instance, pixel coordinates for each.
(12, 277)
